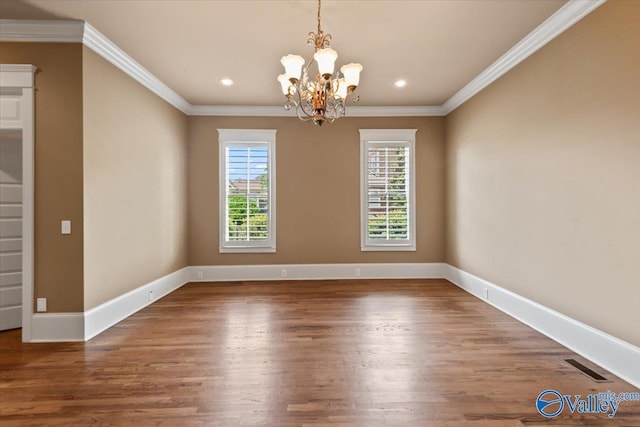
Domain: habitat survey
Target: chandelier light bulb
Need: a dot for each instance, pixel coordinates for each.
(351, 74)
(326, 60)
(284, 82)
(341, 91)
(293, 67)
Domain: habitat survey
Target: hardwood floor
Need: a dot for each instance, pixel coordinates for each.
(348, 353)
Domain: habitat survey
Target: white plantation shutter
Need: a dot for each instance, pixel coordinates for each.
(387, 193)
(247, 198)
(247, 190)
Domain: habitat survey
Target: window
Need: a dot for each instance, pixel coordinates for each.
(247, 190)
(387, 189)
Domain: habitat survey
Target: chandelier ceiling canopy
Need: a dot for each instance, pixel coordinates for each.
(321, 98)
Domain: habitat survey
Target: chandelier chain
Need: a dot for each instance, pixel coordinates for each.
(319, 6)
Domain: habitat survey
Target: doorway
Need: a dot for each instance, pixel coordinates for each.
(10, 229)
(16, 197)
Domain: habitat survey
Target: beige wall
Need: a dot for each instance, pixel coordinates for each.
(58, 169)
(543, 175)
(135, 183)
(318, 191)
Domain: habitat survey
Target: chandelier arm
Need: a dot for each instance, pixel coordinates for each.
(305, 118)
(300, 105)
(297, 109)
(302, 97)
(307, 108)
(335, 109)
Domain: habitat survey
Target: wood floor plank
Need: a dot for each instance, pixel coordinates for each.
(296, 353)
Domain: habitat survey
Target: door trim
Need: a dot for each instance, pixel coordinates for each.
(21, 78)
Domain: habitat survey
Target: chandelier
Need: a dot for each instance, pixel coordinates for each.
(322, 98)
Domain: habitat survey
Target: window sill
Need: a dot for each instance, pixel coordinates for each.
(388, 248)
(247, 250)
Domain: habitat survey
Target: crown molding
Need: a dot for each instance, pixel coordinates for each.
(104, 47)
(395, 111)
(83, 32)
(565, 17)
(279, 111)
(16, 30)
(240, 110)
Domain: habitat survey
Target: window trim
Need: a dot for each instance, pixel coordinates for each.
(246, 137)
(391, 137)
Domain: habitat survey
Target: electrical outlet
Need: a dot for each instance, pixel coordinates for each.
(284, 273)
(41, 305)
(485, 293)
(200, 275)
(150, 295)
(357, 272)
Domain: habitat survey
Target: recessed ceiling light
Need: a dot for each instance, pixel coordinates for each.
(400, 83)
(226, 82)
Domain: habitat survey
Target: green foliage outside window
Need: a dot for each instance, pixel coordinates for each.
(246, 221)
(398, 225)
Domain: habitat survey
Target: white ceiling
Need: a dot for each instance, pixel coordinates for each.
(437, 46)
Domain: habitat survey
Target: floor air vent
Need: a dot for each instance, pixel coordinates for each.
(587, 371)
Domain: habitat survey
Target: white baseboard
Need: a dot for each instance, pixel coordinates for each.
(57, 327)
(221, 273)
(616, 356)
(111, 312)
